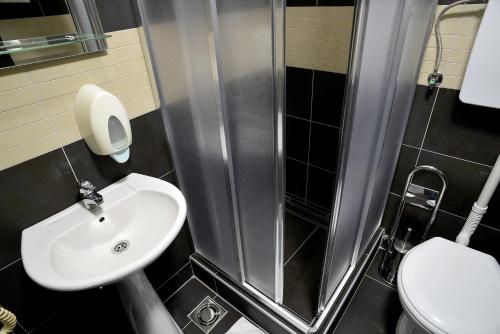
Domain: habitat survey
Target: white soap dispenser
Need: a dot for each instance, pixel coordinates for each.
(103, 122)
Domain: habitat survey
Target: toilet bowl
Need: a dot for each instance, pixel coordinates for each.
(448, 288)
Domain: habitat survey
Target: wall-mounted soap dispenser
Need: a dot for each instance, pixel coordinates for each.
(103, 122)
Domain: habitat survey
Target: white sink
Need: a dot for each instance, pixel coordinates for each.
(78, 249)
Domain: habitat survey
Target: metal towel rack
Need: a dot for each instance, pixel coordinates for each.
(418, 196)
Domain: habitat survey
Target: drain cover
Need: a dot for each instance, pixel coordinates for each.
(207, 314)
(121, 246)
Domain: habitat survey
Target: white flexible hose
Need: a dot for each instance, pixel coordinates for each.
(479, 208)
(8, 321)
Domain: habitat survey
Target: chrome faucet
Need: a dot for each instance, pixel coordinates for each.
(91, 198)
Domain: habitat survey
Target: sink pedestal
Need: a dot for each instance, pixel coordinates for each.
(143, 306)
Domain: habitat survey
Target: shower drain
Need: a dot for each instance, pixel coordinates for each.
(207, 314)
(120, 247)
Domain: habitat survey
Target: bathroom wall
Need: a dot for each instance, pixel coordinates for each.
(318, 35)
(42, 154)
(460, 139)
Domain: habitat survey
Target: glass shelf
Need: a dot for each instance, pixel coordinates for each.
(38, 43)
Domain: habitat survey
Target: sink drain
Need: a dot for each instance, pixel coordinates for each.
(120, 247)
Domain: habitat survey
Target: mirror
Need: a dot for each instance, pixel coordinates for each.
(32, 31)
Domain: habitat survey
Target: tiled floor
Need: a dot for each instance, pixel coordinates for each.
(190, 295)
(375, 306)
(305, 245)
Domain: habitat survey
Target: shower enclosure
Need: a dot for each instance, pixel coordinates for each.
(239, 149)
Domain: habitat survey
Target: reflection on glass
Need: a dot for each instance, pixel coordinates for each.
(318, 41)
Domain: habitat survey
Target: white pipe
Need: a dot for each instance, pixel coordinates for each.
(479, 208)
(7, 320)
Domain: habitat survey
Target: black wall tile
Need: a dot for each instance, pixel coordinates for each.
(296, 177)
(149, 154)
(328, 97)
(465, 182)
(31, 303)
(297, 138)
(173, 259)
(324, 147)
(54, 7)
(336, 2)
(298, 92)
(118, 14)
(20, 10)
(320, 187)
(463, 130)
(406, 162)
(419, 115)
(101, 307)
(301, 3)
(29, 193)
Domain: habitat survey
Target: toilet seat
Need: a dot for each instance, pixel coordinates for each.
(449, 288)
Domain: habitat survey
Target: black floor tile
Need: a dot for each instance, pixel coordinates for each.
(373, 269)
(302, 276)
(171, 285)
(186, 299)
(296, 232)
(375, 308)
(102, 307)
(250, 311)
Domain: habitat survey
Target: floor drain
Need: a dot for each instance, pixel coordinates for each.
(207, 314)
(121, 247)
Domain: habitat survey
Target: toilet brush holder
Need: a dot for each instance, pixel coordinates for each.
(420, 197)
(389, 267)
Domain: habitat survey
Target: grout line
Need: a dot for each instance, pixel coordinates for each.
(178, 289)
(309, 139)
(186, 325)
(300, 246)
(427, 127)
(451, 156)
(493, 228)
(20, 326)
(69, 163)
(410, 146)
(178, 271)
(309, 164)
(10, 264)
(167, 173)
(316, 122)
(386, 285)
(206, 286)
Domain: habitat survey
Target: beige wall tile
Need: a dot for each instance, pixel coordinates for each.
(36, 113)
(319, 37)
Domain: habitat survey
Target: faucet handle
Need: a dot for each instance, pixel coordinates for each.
(86, 185)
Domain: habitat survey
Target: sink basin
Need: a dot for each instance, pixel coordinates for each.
(79, 249)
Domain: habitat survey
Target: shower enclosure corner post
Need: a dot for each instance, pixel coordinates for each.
(279, 78)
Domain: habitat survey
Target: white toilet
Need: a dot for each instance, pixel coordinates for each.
(448, 288)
